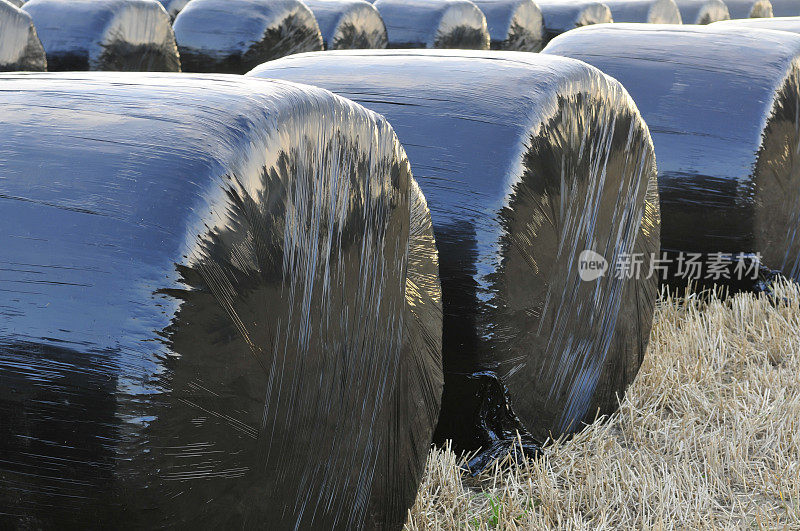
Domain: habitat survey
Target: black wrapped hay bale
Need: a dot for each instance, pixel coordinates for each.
(702, 11)
(434, 24)
(513, 24)
(20, 48)
(349, 24)
(221, 307)
(749, 8)
(729, 182)
(173, 7)
(785, 8)
(790, 24)
(121, 35)
(234, 36)
(526, 162)
(645, 11)
(560, 16)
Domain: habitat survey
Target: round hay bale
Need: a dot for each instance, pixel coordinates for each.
(20, 48)
(173, 7)
(702, 11)
(790, 24)
(526, 162)
(563, 16)
(749, 8)
(234, 36)
(120, 35)
(229, 313)
(434, 24)
(645, 11)
(728, 181)
(349, 24)
(513, 24)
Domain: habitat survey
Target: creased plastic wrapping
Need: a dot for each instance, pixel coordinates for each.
(562, 16)
(645, 11)
(234, 36)
(173, 7)
(513, 24)
(702, 11)
(20, 48)
(122, 35)
(749, 8)
(722, 106)
(434, 24)
(526, 162)
(221, 307)
(348, 24)
(785, 8)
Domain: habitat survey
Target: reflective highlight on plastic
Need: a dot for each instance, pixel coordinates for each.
(514, 25)
(349, 24)
(20, 48)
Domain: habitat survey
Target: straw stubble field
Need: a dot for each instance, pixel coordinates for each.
(706, 438)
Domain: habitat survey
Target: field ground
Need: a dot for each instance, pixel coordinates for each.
(708, 437)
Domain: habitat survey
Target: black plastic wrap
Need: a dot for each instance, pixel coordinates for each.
(722, 106)
(785, 8)
(348, 24)
(645, 11)
(702, 11)
(513, 24)
(234, 36)
(434, 24)
(749, 8)
(526, 162)
(121, 35)
(220, 307)
(790, 24)
(20, 48)
(173, 7)
(560, 16)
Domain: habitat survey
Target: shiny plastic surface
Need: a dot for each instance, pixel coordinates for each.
(725, 126)
(220, 307)
(790, 24)
(645, 11)
(17, 3)
(434, 24)
(702, 11)
(526, 161)
(515, 25)
(20, 48)
(121, 35)
(785, 8)
(233, 36)
(173, 7)
(749, 8)
(562, 16)
(348, 24)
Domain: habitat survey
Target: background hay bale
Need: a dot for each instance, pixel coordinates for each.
(513, 24)
(229, 310)
(122, 35)
(645, 11)
(173, 7)
(234, 36)
(790, 24)
(349, 24)
(702, 11)
(749, 8)
(434, 24)
(20, 48)
(526, 162)
(562, 16)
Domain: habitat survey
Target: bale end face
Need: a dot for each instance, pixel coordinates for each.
(20, 48)
(434, 24)
(349, 24)
(514, 25)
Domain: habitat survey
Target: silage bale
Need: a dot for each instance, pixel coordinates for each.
(702, 11)
(526, 163)
(233, 36)
(785, 8)
(645, 11)
(434, 24)
(229, 313)
(560, 16)
(173, 7)
(513, 24)
(20, 48)
(749, 8)
(17, 3)
(121, 35)
(790, 24)
(349, 24)
(722, 105)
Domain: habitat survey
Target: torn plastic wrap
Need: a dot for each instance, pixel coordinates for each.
(729, 183)
(20, 48)
(434, 24)
(702, 11)
(785, 8)
(234, 36)
(221, 307)
(348, 24)
(513, 24)
(121, 35)
(563, 16)
(790, 24)
(526, 162)
(173, 7)
(645, 11)
(749, 8)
